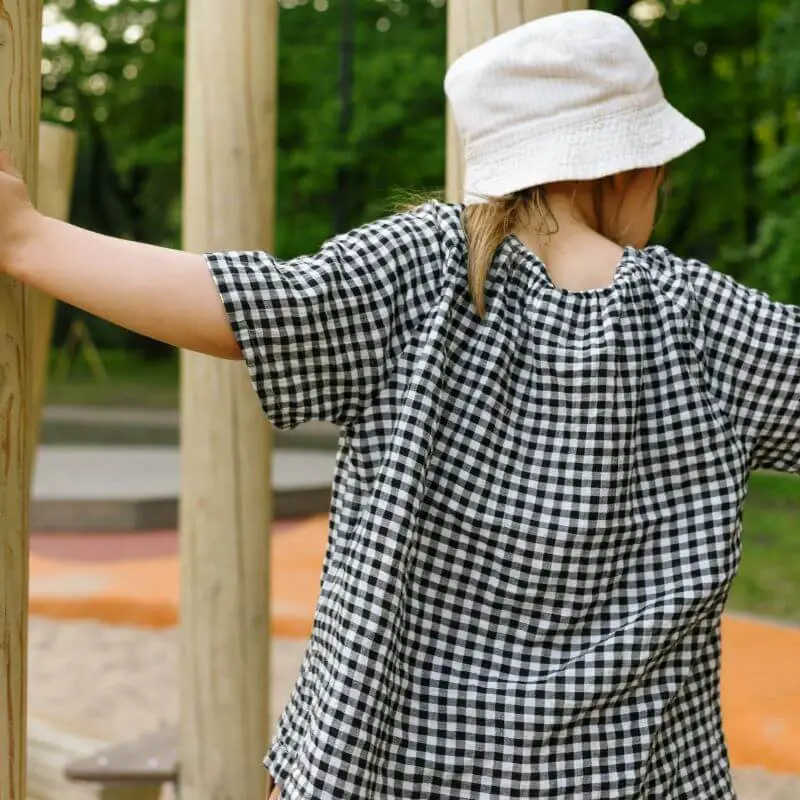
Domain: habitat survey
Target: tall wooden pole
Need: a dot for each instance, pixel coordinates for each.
(20, 60)
(57, 149)
(471, 22)
(226, 494)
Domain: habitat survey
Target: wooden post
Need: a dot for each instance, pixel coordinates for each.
(20, 64)
(57, 149)
(469, 23)
(226, 493)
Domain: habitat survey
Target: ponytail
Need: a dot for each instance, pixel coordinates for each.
(487, 224)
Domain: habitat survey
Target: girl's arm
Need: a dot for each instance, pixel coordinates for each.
(165, 294)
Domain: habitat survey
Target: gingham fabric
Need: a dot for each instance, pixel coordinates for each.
(535, 518)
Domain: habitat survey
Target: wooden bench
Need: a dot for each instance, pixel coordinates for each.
(135, 770)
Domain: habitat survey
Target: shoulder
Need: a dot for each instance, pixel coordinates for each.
(690, 277)
(709, 288)
(401, 253)
(423, 231)
(662, 259)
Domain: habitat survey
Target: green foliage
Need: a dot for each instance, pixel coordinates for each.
(775, 253)
(121, 81)
(127, 102)
(396, 136)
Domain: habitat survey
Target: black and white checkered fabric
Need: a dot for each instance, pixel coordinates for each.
(535, 519)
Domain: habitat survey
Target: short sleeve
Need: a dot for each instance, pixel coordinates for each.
(752, 348)
(320, 332)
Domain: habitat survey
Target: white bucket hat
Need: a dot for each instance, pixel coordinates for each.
(572, 96)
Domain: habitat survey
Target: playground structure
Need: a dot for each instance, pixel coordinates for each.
(224, 549)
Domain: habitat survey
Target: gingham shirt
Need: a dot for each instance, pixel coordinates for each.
(535, 518)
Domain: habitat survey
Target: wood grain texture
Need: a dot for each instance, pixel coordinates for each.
(470, 23)
(57, 151)
(20, 63)
(226, 493)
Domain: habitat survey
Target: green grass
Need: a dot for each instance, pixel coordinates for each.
(130, 381)
(768, 582)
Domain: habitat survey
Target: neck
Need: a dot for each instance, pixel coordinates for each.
(571, 222)
(577, 257)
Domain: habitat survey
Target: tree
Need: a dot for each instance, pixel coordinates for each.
(773, 259)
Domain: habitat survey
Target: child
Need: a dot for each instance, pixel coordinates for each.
(549, 429)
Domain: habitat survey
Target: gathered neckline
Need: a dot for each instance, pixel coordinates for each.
(627, 259)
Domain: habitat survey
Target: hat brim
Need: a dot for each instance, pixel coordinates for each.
(630, 139)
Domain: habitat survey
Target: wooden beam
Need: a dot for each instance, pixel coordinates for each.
(20, 65)
(226, 496)
(470, 23)
(57, 148)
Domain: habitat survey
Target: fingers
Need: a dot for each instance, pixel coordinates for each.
(276, 794)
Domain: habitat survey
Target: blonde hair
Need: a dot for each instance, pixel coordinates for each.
(487, 224)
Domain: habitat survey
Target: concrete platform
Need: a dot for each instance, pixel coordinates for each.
(119, 488)
(87, 425)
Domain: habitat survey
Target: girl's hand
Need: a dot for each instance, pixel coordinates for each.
(17, 214)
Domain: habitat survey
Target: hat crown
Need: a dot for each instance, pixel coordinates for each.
(568, 97)
(555, 70)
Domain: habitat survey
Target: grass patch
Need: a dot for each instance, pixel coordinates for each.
(768, 582)
(130, 381)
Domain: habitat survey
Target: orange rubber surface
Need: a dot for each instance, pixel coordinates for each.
(109, 578)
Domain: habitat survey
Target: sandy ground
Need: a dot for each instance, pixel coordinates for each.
(129, 686)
